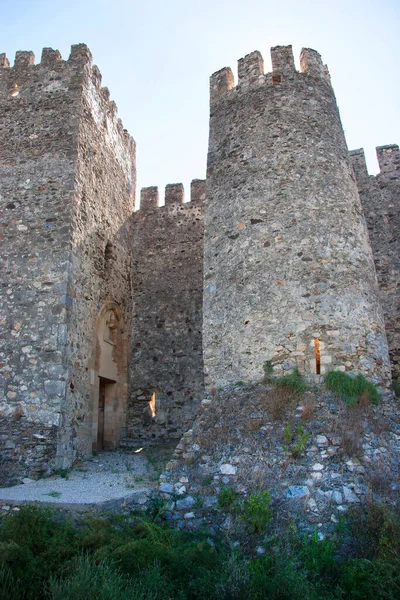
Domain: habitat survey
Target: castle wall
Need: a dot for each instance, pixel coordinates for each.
(380, 197)
(289, 274)
(38, 150)
(100, 276)
(94, 295)
(67, 181)
(167, 316)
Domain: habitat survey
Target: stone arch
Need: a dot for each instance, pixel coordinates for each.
(109, 380)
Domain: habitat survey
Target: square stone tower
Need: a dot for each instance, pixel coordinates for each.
(67, 192)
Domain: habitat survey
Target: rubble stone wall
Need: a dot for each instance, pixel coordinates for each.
(67, 178)
(101, 303)
(289, 273)
(39, 123)
(167, 314)
(100, 275)
(380, 197)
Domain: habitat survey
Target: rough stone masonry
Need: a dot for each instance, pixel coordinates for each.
(104, 333)
(288, 267)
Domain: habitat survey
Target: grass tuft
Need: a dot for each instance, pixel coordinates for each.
(351, 389)
(294, 381)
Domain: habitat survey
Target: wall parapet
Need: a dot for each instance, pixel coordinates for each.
(358, 162)
(389, 160)
(251, 70)
(62, 75)
(174, 195)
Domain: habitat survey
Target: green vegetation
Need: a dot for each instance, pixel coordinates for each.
(64, 473)
(352, 390)
(257, 511)
(293, 381)
(268, 368)
(227, 498)
(299, 439)
(54, 494)
(43, 555)
(396, 387)
(207, 481)
(287, 436)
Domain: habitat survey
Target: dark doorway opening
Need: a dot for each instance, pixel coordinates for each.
(106, 389)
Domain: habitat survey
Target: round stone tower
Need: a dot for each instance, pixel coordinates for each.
(289, 274)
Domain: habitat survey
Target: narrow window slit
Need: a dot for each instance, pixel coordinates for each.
(276, 79)
(317, 356)
(152, 404)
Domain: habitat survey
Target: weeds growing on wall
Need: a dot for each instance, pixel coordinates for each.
(45, 556)
(351, 389)
(294, 381)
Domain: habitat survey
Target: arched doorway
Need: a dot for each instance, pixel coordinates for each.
(110, 386)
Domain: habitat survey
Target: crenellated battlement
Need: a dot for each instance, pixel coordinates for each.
(50, 57)
(251, 70)
(54, 75)
(25, 59)
(358, 162)
(149, 198)
(173, 196)
(389, 160)
(283, 60)
(4, 62)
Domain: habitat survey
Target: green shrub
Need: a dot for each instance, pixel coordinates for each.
(157, 509)
(318, 557)
(278, 577)
(375, 531)
(351, 389)
(227, 498)
(287, 436)
(257, 511)
(298, 447)
(294, 381)
(87, 580)
(132, 558)
(35, 543)
(135, 556)
(396, 387)
(364, 579)
(299, 440)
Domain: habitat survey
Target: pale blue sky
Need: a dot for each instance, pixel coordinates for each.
(156, 58)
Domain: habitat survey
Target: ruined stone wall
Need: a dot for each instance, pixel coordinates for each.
(289, 273)
(167, 320)
(39, 122)
(380, 197)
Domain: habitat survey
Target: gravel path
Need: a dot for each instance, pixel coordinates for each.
(110, 480)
